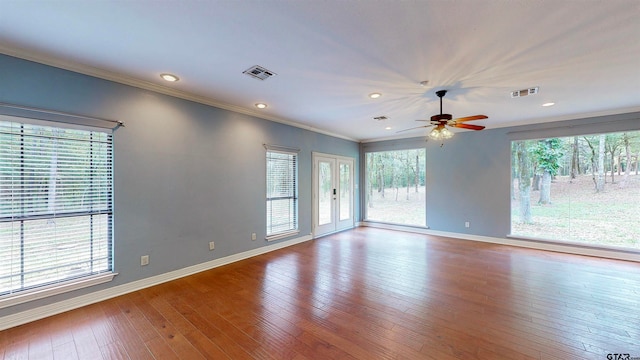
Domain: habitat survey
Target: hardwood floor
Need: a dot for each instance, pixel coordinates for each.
(362, 294)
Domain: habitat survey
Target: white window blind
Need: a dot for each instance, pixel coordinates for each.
(56, 214)
(282, 192)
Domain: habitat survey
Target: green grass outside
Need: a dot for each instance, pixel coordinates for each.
(578, 214)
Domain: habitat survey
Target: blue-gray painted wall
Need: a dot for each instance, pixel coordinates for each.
(185, 173)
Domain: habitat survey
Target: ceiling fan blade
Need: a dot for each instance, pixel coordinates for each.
(468, 126)
(469, 118)
(422, 120)
(413, 128)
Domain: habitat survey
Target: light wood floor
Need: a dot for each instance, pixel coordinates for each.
(362, 294)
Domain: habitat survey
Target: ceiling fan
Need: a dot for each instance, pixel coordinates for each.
(441, 121)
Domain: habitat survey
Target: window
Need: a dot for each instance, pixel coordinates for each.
(282, 193)
(56, 215)
(395, 190)
(578, 189)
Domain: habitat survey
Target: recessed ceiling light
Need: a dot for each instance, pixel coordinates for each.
(388, 128)
(169, 77)
(375, 95)
(548, 104)
(261, 105)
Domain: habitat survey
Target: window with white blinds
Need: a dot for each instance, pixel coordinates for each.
(56, 214)
(282, 193)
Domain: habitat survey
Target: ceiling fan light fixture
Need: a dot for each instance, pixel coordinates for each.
(440, 132)
(434, 134)
(445, 133)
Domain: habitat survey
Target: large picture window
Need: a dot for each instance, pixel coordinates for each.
(282, 193)
(55, 205)
(578, 189)
(395, 191)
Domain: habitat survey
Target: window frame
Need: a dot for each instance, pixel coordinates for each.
(582, 130)
(104, 273)
(409, 146)
(292, 187)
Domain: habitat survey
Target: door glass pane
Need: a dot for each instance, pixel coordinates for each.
(325, 196)
(345, 192)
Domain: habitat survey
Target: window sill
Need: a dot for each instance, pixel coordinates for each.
(373, 223)
(54, 289)
(282, 235)
(575, 244)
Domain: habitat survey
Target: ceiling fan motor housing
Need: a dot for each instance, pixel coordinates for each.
(441, 117)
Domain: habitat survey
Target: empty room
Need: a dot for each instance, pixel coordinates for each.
(291, 179)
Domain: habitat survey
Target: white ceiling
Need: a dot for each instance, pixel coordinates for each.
(329, 55)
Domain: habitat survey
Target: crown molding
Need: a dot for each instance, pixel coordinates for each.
(567, 117)
(146, 85)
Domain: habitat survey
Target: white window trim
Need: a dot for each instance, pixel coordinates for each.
(17, 114)
(54, 289)
(282, 235)
(290, 151)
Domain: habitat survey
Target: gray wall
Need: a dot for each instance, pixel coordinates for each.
(185, 173)
(468, 178)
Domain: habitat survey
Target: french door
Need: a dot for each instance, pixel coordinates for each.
(333, 189)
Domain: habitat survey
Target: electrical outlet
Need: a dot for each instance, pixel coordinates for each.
(144, 260)
(212, 245)
(253, 236)
(466, 224)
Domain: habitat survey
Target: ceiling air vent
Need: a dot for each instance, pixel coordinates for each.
(380, 118)
(524, 92)
(259, 72)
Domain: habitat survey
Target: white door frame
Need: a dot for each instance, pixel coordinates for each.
(336, 224)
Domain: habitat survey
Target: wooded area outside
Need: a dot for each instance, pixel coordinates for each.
(583, 189)
(395, 187)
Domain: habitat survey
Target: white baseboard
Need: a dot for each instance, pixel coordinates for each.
(531, 244)
(101, 295)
